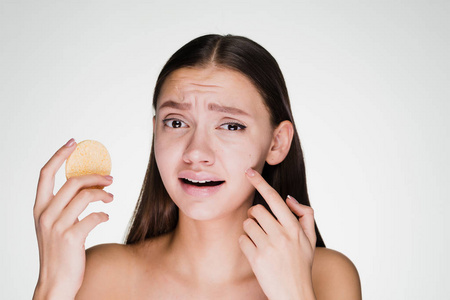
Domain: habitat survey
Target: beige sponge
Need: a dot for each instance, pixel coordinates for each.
(90, 157)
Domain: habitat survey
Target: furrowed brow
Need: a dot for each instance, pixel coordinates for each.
(211, 106)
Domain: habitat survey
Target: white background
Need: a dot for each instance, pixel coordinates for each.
(369, 84)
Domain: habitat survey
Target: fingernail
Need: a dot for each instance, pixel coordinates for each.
(111, 195)
(109, 177)
(292, 198)
(250, 172)
(70, 143)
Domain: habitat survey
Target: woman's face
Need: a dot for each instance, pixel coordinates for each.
(211, 125)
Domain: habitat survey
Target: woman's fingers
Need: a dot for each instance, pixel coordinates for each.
(247, 247)
(280, 246)
(70, 214)
(265, 219)
(282, 211)
(306, 218)
(46, 181)
(255, 233)
(71, 188)
(80, 230)
(273, 199)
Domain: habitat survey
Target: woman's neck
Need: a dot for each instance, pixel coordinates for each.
(208, 251)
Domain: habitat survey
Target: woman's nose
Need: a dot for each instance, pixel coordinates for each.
(199, 149)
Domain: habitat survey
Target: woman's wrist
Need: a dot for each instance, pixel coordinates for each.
(308, 294)
(297, 293)
(305, 292)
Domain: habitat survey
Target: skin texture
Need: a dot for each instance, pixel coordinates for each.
(204, 144)
(211, 123)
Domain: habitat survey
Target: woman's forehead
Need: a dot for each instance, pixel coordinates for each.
(210, 78)
(222, 85)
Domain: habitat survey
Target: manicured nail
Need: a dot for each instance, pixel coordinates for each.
(292, 198)
(109, 177)
(69, 143)
(111, 195)
(250, 172)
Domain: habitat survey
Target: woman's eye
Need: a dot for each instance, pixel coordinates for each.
(233, 126)
(174, 123)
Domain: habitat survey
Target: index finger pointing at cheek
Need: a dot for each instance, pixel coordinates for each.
(273, 199)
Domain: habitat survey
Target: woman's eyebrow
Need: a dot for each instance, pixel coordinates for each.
(211, 106)
(227, 109)
(176, 105)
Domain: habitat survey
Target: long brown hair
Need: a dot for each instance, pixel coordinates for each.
(155, 212)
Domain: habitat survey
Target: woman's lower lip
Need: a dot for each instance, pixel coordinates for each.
(199, 191)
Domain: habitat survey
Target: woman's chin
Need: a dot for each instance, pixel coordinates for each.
(205, 212)
(202, 214)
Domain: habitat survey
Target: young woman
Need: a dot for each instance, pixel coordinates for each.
(223, 212)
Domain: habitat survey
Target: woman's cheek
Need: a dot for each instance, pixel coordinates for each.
(248, 159)
(165, 154)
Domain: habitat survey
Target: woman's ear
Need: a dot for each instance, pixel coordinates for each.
(281, 143)
(154, 123)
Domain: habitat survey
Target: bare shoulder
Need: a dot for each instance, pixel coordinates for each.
(107, 251)
(114, 271)
(335, 276)
(106, 267)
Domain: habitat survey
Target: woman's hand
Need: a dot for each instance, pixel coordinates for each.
(61, 236)
(281, 250)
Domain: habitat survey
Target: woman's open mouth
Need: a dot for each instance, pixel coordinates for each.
(200, 188)
(202, 182)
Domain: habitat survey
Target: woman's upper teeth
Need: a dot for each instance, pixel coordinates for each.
(198, 181)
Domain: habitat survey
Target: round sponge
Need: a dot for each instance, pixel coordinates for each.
(90, 157)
